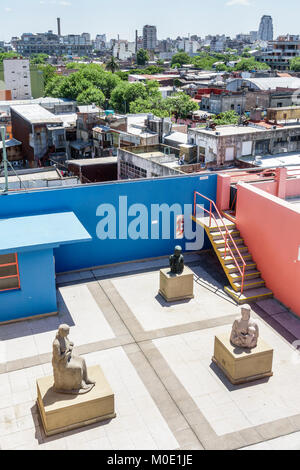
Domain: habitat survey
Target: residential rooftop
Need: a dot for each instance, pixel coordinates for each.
(36, 114)
(222, 131)
(157, 360)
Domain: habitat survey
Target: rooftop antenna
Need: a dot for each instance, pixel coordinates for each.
(3, 131)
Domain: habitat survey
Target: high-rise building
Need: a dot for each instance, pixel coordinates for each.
(149, 37)
(266, 32)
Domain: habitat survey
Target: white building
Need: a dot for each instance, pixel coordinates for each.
(124, 50)
(189, 46)
(17, 78)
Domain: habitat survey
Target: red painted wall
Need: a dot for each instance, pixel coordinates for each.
(292, 187)
(271, 230)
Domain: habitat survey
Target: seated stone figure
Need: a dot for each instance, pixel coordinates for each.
(70, 372)
(244, 330)
(177, 261)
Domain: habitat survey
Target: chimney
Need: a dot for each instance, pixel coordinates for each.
(58, 27)
(136, 41)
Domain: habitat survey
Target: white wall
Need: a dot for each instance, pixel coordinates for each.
(17, 78)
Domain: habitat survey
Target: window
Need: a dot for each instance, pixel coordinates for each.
(130, 171)
(9, 272)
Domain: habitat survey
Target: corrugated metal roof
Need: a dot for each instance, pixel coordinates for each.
(10, 143)
(271, 83)
(178, 137)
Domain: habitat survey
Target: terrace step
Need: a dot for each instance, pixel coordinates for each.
(229, 259)
(250, 295)
(218, 235)
(250, 274)
(241, 248)
(252, 284)
(220, 243)
(232, 268)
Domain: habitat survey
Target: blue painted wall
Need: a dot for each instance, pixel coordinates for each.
(84, 200)
(38, 291)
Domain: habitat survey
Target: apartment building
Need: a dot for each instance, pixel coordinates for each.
(17, 78)
(149, 37)
(223, 145)
(280, 52)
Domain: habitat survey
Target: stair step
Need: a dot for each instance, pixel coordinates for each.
(231, 267)
(250, 295)
(218, 235)
(242, 249)
(221, 242)
(252, 284)
(229, 260)
(217, 229)
(250, 274)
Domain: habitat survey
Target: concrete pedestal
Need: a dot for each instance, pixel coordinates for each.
(241, 365)
(61, 412)
(174, 287)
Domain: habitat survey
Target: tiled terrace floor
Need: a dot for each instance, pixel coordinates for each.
(157, 359)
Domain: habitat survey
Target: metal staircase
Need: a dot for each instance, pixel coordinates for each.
(246, 283)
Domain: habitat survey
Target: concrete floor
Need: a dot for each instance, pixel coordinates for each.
(157, 358)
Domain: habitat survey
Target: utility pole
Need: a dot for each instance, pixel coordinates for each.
(3, 131)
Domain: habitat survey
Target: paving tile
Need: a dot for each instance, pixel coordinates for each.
(141, 295)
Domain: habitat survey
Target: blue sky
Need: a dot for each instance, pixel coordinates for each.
(172, 17)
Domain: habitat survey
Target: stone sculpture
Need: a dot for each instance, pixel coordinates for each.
(244, 330)
(177, 261)
(70, 371)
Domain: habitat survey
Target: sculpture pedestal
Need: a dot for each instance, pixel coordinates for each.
(61, 412)
(175, 287)
(241, 365)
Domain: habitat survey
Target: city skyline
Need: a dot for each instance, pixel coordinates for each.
(229, 17)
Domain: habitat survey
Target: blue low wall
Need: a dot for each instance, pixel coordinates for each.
(38, 291)
(84, 201)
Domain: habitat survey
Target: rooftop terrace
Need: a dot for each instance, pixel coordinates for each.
(157, 359)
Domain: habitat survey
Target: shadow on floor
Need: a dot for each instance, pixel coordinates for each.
(230, 387)
(38, 325)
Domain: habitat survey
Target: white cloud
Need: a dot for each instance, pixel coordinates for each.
(7, 9)
(245, 3)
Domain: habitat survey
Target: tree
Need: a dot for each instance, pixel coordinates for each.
(91, 95)
(48, 72)
(8, 55)
(53, 87)
(221, 68)
(142, 57)
(38, 59)
(227, 118)
(181, 105)
(205, 61)
(295, 64)
(112, 65)
(125, 93)
(177, 82)
(247, 65)
(181, 58)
